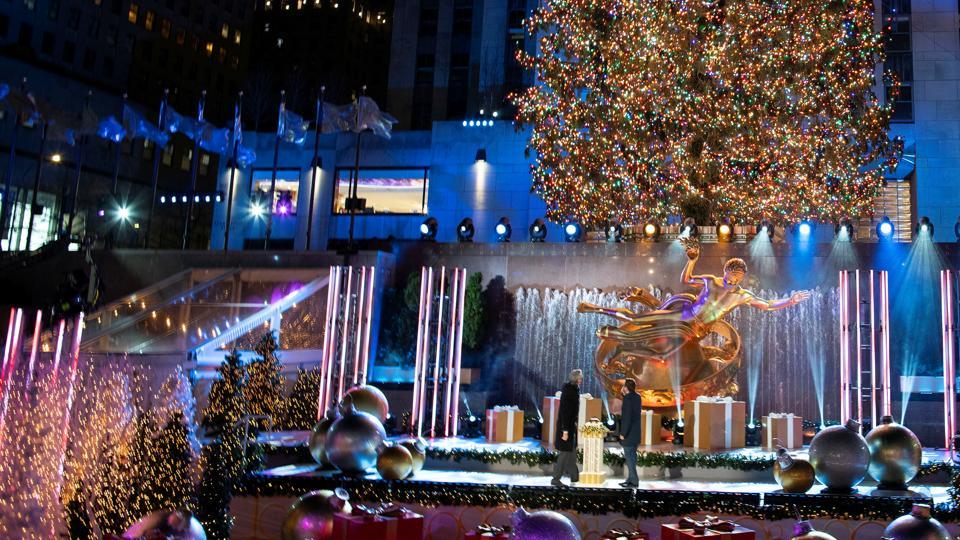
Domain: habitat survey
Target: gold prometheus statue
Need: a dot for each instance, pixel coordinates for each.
(682, 343)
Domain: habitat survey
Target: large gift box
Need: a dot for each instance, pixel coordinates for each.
(389, 524)
(714, 423)
(650, 423)
(710, 528)
(504, 424)
(783, 429)
(590, 407)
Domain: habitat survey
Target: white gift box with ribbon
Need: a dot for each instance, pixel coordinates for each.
(784, 429)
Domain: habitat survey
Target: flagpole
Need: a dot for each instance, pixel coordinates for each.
(237, 126)
(79, 169)
(273, 173)
(156, 168)
(7, 188)
(116, 153)
(356, 174)
(112, 233)
(315, 163)
(194, 165)
(36, 180)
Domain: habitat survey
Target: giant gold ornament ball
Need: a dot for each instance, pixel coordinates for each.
(318, 440)
(171, 524)
(394, 462)
(368, 399)
(840, 456)
(353, 442)
(917, 525)
(311, 517)
(895, 454)
(798, 478)
(418, 452)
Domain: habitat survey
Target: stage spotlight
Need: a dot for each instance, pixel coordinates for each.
(765, 227)
(538, 231)
(257, 210)
(844, 230)
(804, 230)
(464, 231)
(123, 213)
(614, 232)
(503, 230)
(572, 231)
(428, 229)
(651, 231)
(924, 227)
(885, 229)
(163, 199)
(689, 228)
(724, 232)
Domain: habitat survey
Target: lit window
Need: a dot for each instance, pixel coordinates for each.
(133, 12)
(286, 192)
(148, 20)
(209, 48)
(204, 163)
(185, 160)
(385, 191)
(167, 157)
(165, 28)
(225, 31)
(236, 36)
(221, 55)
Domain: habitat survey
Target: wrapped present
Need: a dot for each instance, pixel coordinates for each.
(782, 429)
(551, 408)
(504, 424)
(370, 523)
(650, 423)
(402, 523)
(486, 531)
(714, 422)
(618, 534)
(590, 407)
(710, 527)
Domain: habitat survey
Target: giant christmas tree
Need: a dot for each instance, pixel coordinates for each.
(764, 107)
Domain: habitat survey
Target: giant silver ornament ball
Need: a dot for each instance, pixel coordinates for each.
(311, 517)
(318, 440)
(895, 454)
(917, 525)
(840, 456)
(176, 524)
(353, 442)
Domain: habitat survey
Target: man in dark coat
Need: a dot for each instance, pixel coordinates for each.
(566, 435)
(630, 431)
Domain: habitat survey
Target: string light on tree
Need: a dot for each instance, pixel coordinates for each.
(764, 108)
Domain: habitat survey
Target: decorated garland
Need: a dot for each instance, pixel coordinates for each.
(633, 504)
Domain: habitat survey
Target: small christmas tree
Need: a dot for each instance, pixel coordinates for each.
(473, 312)
(300, 409)
(222, 460)
(264, 389)
(164, 464)
(227, 402)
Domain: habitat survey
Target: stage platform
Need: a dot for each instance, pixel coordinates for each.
(468, 481)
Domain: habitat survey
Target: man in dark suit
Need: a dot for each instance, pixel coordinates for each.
(630, 431)
(566, 435)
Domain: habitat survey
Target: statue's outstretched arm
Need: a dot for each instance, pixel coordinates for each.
(693, 254)
(773, 305)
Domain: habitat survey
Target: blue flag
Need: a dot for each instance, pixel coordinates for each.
(178, 123)
(365, 114)
(111, 129)
(291, 127)
(136, 125)
(245, 156)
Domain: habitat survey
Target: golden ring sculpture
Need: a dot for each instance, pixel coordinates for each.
(667, 348)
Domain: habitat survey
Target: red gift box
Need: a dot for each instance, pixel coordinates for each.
(408, 526)
(676, 532)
